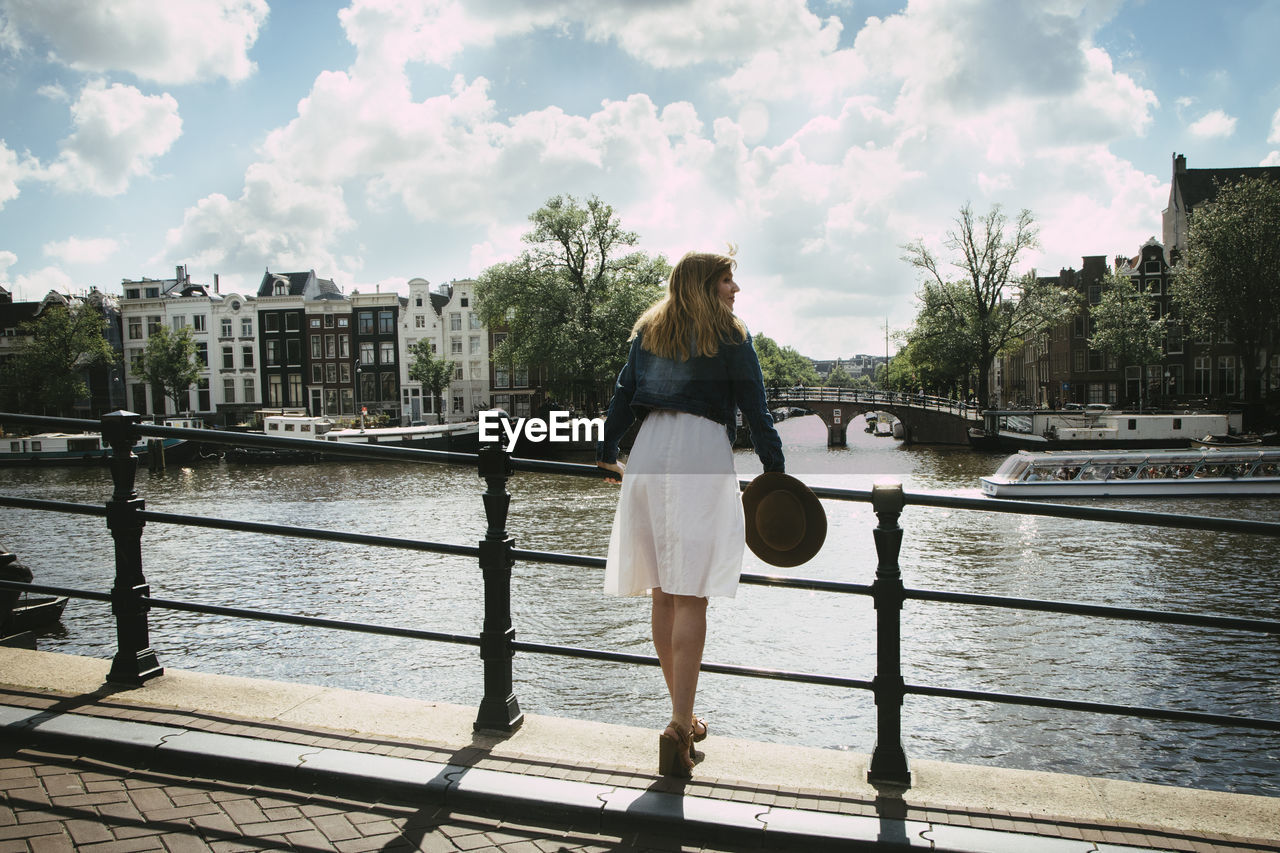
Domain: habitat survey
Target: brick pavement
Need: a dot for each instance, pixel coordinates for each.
(55, 801)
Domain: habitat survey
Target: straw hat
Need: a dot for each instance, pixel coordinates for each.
(786, 524)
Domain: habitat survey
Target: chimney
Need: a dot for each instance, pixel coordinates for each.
(1179, 164)
(180, 273)
(215, 282)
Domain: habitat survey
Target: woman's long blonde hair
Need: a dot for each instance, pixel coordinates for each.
(691, 312)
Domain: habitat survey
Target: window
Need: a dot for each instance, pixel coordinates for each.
(135, 360)
(179, 322)
(465, 302)
(246, 327)
(331, 373)
(330, 346)
(153, 325)
(246, 354)
(419, 322)
(273, 353)
(131, 293)
(366, 352)
(458, 402)
(455, 346)
(291, 322)
(474, 344)
(202, 353)
(313, 322)
(455, 322)
(153, 293)
(328, 321)
(250, 391)
(274, 391)
(417, 301)
(1095, 293)
(1173, 380)
(386, 322)
(271, 322)
(228, 358)
(316, 345)
(295, 389)
(475, 370)
(229, 389)
(457, 370)
(368, 386)
(344, 322)
(344, 346)
(1227, 375)
(365, 326)
(473, 321)
(501, 376)
(522, 377)
(344, 372)
(226, 327)
(293, 350)
(1154, 286)
(348, 401)
(1095, 360)
(198, 322)
(388, 381)
(1173, 338)
(1151, 267)
(135, 328)
(331, 401)
(1202, 376)
(388, 354)
(317, 373)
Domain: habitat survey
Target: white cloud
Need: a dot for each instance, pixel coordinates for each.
(168, 43)
(34, 285)
(7, 259)
(1213, 125)
(1274, 136)
(1272, 159)
(11, 171)
(119, 133)
(54, 92)
(74, 250)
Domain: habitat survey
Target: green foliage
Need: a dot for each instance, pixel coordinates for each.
(987, 311)
(571, 299)
(1124, 321)
(169, 363)
(839, 378)
(434, 372)
(47, 371)
(1228, 284)
(783, 367)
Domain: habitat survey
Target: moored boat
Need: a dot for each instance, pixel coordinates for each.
(36, 613)
(62, 448)
(1202, 471)
(1096, 429)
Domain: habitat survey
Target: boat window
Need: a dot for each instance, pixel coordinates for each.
(81, 444)
(15, 447)
(288, 427)
(36, 445)
(273, 426)
(304, 427)
(1267, 469)
(1133, 423)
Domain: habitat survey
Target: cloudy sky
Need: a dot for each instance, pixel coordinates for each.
(378, 140)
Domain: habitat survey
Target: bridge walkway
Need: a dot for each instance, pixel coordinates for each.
(204, 762)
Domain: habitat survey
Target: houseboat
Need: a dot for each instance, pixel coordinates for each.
(463, 437)
(1101, 429)
(1200, 471)
(87, 448)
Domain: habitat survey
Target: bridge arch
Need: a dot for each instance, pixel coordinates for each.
(925, 419)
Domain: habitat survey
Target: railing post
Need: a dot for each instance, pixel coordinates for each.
(499, 710)
(134, 662)
(888, 758)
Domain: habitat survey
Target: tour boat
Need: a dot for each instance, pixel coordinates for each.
(1202, 471)
(461, 437)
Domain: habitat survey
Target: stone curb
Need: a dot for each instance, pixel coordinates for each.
(602, 807)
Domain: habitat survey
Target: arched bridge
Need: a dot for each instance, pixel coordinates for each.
(925, 419)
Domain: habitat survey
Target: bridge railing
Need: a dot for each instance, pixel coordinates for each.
(801, 394)
(131, 598)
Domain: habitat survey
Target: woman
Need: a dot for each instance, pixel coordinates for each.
(678, 530)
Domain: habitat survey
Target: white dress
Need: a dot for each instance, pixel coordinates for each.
(679, 524)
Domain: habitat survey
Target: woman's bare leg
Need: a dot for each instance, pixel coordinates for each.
(679, 634)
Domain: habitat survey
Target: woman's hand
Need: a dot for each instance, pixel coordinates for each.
(616, 467)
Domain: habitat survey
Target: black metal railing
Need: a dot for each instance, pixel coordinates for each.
(135, 661)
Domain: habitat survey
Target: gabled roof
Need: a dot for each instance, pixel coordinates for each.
(299, 284)
(1197, 186)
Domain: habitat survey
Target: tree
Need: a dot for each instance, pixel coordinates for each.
(1227, 287)
(571, 299)
(169, 363)
(994, 310)
(433, 372)
(940, 347)
(839, 378)
(783, 367)
(1125, 324)
(47, 372)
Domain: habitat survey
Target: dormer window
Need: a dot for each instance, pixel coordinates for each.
(281, 289)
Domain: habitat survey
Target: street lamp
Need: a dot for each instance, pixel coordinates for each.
(359, 404)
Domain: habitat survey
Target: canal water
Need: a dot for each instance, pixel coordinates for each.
(963, 647)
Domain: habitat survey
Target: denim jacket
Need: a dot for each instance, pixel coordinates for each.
(710, 387)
